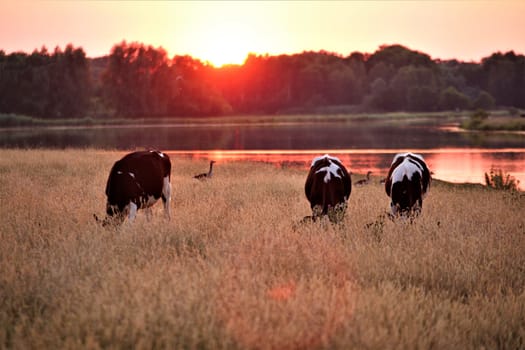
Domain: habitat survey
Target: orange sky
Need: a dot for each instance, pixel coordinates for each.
(224, 32)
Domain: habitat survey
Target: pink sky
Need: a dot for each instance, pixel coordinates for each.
(222, 32)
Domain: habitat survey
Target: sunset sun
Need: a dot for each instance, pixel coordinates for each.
(218, 38)
(225, 45)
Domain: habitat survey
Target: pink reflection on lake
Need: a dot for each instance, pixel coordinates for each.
(457, 165)
(471, 165)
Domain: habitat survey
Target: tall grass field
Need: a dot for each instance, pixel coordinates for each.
(234, 268)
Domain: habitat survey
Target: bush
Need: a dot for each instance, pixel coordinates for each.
(484, 101)
(476, 119)
(497, 180)
(452, 99)
(513, 111)
(480, 114)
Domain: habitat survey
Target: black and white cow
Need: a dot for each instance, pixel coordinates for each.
(328, 188)
(135, 182)
(407, 183)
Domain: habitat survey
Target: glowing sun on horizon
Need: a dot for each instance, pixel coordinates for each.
(225, 45)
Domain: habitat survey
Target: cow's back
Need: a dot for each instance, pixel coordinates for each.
(328, 184)
(406, 193)
(136, 174)
(407, 182)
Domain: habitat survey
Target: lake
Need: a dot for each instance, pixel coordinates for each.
(451, 154)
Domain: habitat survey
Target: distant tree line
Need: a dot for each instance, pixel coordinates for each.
(43, 84)
(136, 80)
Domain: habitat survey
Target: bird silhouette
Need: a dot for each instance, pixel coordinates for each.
(206, 175)
(364, 181)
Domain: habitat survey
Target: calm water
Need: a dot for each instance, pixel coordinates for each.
(451, 155)
(449, 164)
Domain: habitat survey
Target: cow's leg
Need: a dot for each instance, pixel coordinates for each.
(149, 213)
(132, 211)
(416, 210)
(336, 214)
(317, 211)
(393, 209)
(166, 196)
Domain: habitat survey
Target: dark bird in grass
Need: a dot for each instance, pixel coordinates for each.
(364, 181)
(206, 175)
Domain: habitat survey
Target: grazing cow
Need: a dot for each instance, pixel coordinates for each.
(135, 182)
(407, 183)
(328, 188)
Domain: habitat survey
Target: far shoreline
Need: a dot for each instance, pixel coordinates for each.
(498, 120)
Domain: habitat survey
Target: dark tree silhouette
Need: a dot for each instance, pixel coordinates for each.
(136, 80)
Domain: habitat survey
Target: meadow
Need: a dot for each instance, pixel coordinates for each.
(235, 269)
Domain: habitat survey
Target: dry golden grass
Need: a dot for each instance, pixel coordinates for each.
(234, 269)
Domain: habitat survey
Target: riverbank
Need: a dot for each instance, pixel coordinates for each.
(17, 121)
(498, 120)
(499, 123)
(233, 269)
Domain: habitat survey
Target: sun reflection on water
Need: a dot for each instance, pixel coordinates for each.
(456, 165)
